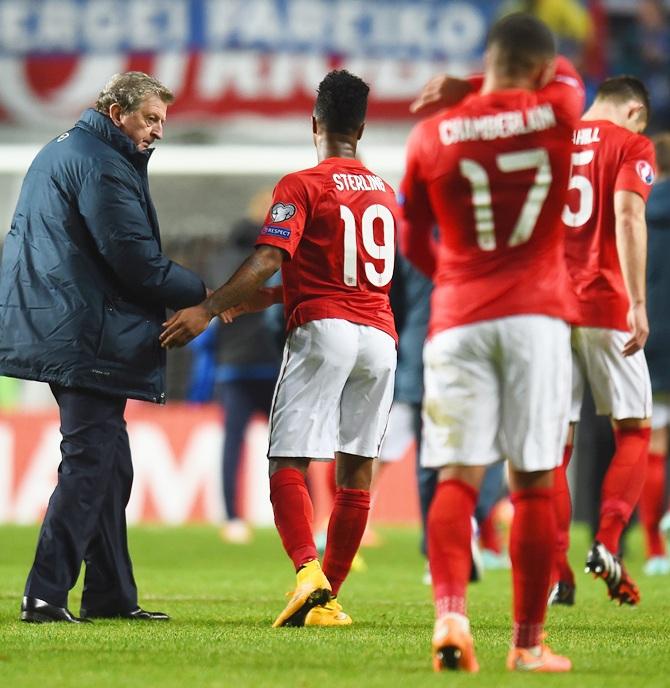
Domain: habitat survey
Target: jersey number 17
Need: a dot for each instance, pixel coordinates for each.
(535, 158)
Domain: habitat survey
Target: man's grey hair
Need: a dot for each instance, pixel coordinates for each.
(129, 90)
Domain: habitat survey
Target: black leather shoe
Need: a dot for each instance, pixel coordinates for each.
(34, 610)
(138, 614)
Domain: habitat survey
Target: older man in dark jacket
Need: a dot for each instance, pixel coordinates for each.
(83, 292)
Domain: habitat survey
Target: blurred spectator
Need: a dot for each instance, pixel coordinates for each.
(570, 21)
(652, 502)
(237, 362)
(642, 48)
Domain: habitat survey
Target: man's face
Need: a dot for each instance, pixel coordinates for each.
(143, 125)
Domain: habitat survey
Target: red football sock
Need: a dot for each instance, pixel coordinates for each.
(345, 530)
(651, 505)
(294, 514)
(532, 545)
(563, 511)
(623, 484)
(488, 535)
(449, 553)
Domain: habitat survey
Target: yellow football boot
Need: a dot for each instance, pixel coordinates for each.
(329, 614)
(312, 588)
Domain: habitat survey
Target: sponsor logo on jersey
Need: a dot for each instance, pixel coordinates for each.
(281, 232)
(645, 171)
(282, 211)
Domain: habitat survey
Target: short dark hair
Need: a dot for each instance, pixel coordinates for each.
(662, 144)
(341, 102)
(522, 41)
(621, 89)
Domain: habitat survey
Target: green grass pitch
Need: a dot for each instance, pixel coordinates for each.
(223, 599)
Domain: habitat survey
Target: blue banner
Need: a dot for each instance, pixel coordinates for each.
(404, 29)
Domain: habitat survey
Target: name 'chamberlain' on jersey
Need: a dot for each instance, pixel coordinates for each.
(499, 126)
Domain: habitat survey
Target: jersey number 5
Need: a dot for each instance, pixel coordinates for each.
(384, 251)
(578, 181)
(535, 158)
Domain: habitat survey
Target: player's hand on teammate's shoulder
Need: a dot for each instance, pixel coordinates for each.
(639, 329)
(184, 325)
(441, 91)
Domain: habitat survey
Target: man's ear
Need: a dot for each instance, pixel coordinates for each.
(115, 112)
(546, 72)
(313, 124)
(638, 115)
(359, 133)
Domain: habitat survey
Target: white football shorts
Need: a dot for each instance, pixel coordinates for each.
(620, 385)
(498, 389)
(400, 434)
(660, 415)
(334, 391)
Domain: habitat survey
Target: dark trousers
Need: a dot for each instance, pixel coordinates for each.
(240, 399)
(85, 520)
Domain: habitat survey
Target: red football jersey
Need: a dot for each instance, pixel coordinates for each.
(492, 174)
(606, 158)
(337, 222)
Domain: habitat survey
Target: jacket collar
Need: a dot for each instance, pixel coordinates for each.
(102, 126)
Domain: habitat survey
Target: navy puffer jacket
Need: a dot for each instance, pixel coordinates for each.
(84, 285)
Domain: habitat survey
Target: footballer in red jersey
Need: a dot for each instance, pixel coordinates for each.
(613, 168)
(492, 173)
(332, 231)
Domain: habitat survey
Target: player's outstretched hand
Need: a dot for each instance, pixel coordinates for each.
(639, 330)
(183, 326)
(441, 91)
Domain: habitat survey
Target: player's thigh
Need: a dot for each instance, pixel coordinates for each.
(461, 398)
(536, 366)
(578, 381)
(368, 392)
(620, 385)
(660, 416)
(318, 357)
(399, 433)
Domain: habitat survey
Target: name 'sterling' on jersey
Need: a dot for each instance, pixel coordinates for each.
(358, 182)
(502, 125)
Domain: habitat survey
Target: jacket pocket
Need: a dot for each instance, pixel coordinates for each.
(129, 336)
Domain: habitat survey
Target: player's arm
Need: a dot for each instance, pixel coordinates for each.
(242, 286)
(565, 88)
(444, 91)
(260, 300)
(631, 243)
(417, 221)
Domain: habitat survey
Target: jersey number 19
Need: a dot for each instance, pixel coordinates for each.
(384, 251)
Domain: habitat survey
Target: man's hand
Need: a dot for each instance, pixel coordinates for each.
(263, 298)
(639, 329)
(441, 91)
(184, 325)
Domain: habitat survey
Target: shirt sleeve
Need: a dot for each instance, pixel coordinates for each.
(417, 220)
(638, 168)
(566, 89)
(285, 222)
(109, 201)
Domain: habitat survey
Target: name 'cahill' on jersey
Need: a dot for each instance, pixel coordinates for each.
(337, 223)
(606, 158)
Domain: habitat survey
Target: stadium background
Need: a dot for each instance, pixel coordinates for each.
(244, 74)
